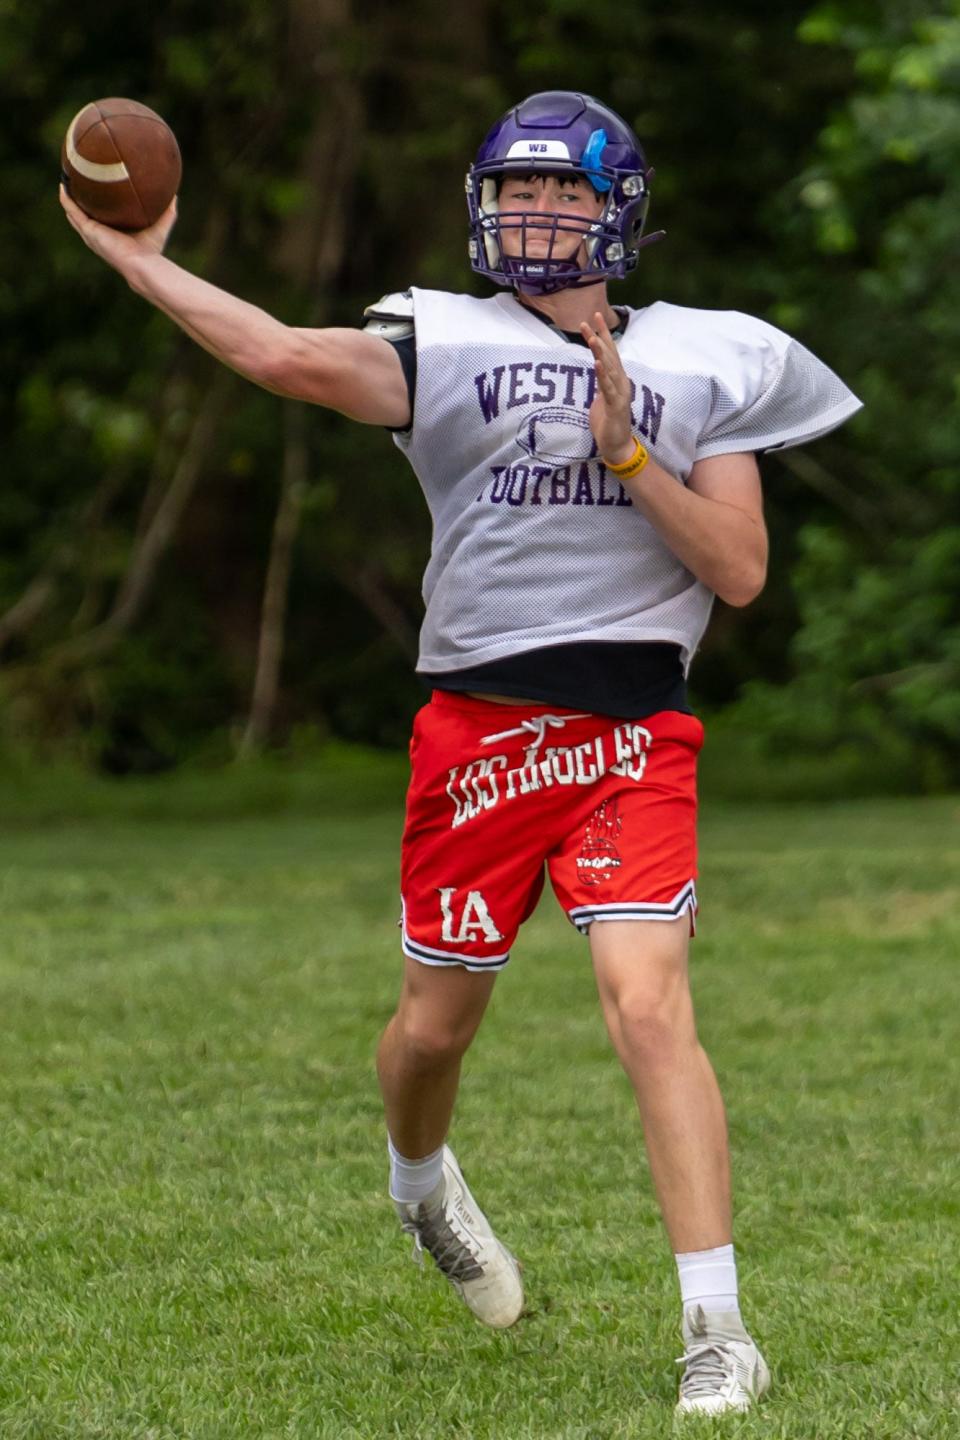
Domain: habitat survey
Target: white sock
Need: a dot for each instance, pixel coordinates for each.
(413, 1180)
(709, 1278)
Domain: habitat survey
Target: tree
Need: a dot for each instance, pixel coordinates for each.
(878, 583)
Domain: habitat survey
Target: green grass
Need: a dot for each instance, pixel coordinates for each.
(195, 1241)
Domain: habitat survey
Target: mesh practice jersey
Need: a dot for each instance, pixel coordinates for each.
(534, 542)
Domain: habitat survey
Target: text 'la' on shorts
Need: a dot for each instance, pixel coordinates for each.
(498, 792)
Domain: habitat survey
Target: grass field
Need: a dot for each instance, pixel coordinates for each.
(195, 1238)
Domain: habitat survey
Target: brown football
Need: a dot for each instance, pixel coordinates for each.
(121, 163)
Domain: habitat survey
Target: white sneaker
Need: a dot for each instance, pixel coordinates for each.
(723, 1369)
(454, 1231)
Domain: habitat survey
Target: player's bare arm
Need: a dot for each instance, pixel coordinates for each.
(714, 524)
(341, 369)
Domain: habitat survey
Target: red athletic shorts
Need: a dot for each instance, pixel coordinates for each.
(498, 791)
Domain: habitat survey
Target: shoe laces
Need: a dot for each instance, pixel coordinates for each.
(709, 1367)
(435, 1232)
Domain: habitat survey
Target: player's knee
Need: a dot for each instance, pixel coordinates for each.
(655, 1022)
(430, 1040)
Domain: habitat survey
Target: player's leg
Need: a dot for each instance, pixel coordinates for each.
(642, 978)
(418, 1060)
(418, 1063)
(465, 891)
(625, 875)
(641, 970)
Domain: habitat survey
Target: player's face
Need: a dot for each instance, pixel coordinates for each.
(540, 203)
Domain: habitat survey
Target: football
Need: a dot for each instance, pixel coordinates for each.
(557, 433)
(121, 163)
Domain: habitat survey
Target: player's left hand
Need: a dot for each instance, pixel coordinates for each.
(610, 417)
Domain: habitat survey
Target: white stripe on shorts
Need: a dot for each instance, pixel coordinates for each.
(428, 956)
(583, 916)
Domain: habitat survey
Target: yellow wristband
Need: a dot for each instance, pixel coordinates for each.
(630, 467)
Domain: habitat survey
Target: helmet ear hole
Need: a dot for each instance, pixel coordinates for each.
(490, 205)
(597, 229)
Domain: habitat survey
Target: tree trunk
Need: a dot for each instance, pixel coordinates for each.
(311, 251)
(68, 557)
(155, 540)
(859, 508)
(273, 617)
(367, 585)
(23, 613)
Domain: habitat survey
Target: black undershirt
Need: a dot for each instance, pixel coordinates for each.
(606, 677)
(628, 679)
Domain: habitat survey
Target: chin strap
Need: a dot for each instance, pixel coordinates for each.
(548, 288)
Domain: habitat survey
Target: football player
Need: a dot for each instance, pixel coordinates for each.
(592, 478)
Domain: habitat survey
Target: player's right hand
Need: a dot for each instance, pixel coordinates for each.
(117, 247)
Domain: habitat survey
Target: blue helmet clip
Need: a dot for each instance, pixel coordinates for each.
(592, 159)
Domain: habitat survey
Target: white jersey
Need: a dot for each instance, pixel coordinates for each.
(534, 542)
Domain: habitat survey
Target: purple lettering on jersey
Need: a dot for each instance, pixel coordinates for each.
(560, 487)
(517, 485)
(603, 498)
(571, 372)
(548, 387)
(583, 494)
(653, 404)
(500, 481)
(539, 473)
(489, 394)
(591, 389)
(522, 484)
(516, 370)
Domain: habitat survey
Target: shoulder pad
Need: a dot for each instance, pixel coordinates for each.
(391, 316)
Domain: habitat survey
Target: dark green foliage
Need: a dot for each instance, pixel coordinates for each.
(809, 177)
(877, 654)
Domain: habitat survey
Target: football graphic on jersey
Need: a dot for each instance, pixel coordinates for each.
(599, 857)
(557, 434)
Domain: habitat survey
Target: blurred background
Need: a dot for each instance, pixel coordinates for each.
(193, 571)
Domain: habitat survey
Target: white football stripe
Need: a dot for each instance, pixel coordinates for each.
(90, 169)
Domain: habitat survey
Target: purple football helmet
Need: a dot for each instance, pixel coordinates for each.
(552, 133)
